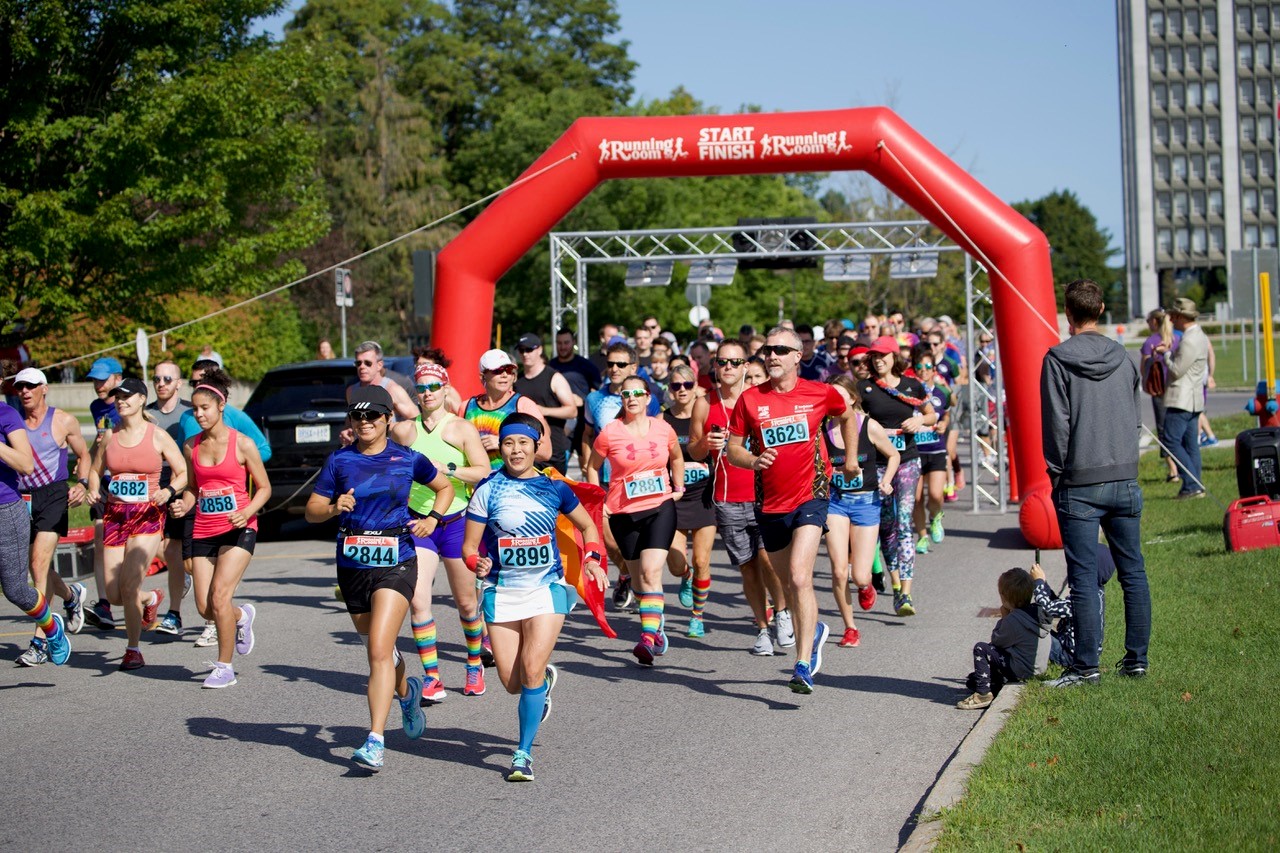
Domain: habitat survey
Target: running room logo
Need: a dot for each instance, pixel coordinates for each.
(804, 144)
(629, 150)
(762, 412)
(727, 143)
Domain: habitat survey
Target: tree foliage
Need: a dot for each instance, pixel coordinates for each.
(149, 147)
(1079, 247)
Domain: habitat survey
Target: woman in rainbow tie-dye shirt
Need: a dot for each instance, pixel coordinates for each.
(488, 410)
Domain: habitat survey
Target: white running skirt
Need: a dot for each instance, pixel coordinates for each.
(508, 604)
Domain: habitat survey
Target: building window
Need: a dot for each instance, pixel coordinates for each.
(1244, 19)
(1180, 205)
(1175, 60)
(1162, 169)
(1215, 202)
(1264, 128)
(1246, 92)
(1266, 164)
(1193, 95)
(1244, 54)
(1160, 96)
(1177, 96)
(1179, 131)
(1248, 130)
(1164, 205)
(1264, 94)
(1197, 167)
(1160, 130)
(1179, 167)
(1164, 241)
(1251, 236)
(1193, 59)
(1263, 54)
(1174, 28)
(1195, 131)
(1182, 241)
(1199, 241)
(1198, 209)
(1192, 20)
(1217, 240)
(1210, 20)
(1268, 236)
(1215, 167)
(1158, 62)
(1269, 201)
(1249, 165)
(1211, 93)
(1249, 201)
(1157, 23)
(1212, 130)
(1260, 21)
(1210, 57)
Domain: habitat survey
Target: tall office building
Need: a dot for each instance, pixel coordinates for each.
(1197, 108)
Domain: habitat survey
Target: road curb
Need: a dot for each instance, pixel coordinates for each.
(950, 785)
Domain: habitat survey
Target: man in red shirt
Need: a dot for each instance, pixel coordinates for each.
(776, 431)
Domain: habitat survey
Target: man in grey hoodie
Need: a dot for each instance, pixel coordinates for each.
(1089, 406)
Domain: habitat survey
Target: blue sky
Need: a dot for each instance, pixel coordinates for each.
(1024, 95)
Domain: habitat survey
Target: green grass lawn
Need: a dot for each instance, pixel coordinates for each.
(1187, 758)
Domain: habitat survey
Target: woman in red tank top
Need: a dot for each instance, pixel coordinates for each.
(221, 461)
(133, 517)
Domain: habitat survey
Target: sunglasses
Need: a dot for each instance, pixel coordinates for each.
(860, 361)
(620, 365)
(430, 387)
(24, 386)
(725, 362)
(631, 393)
(163, 380)
(364, 415)
(524, 350)
(777, 349)
(653, 327)
(682, 386)
(506, 368)
(924, 365)
(362, 363)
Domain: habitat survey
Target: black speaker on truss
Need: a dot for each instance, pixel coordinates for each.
(780, 239)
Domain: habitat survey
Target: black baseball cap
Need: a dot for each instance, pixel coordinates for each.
(369, 398)
(529, 341)
(130, 386)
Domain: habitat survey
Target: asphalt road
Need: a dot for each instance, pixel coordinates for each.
(708, 750)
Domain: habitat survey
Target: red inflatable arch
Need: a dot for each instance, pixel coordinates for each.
(874, 140)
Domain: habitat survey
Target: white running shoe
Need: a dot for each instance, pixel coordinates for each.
(782, 627)
(208, 637)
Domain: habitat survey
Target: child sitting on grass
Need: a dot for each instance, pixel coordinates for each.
(1015, 642)
(1062, 638)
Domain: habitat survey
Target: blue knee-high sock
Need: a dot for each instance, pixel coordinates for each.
(532, 700)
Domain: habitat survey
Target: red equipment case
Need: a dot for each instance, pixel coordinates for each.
(1252, 524)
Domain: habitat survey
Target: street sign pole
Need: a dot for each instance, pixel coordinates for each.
(343, 296)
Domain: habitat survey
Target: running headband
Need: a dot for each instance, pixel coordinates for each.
(214, 391)
(508, 430)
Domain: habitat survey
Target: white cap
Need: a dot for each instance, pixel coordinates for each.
(493, 359)
(31, 376)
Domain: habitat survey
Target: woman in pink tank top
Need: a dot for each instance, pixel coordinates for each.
(133, 517)
(221, 461)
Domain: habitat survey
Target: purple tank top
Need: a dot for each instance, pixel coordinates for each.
(10, 422)
(51, 460)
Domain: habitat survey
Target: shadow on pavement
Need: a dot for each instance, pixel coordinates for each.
(303, 738)
(343, 682)
(1004, 539)
(621, 668)
(942, 694)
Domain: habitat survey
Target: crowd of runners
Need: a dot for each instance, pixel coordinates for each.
(844, 435)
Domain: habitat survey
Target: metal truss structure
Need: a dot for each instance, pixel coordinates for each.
(988, 450)
(574, 252)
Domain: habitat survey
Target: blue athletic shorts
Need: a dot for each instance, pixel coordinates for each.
(446, 539)
(861, 508)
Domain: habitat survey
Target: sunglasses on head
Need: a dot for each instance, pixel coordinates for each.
(364, 415)
(630, 393)
(777, 349)
(163, 380)
(620, 365)
(725, 362)
(362, 363)
(506, 368)
(683, 386)
(430, 387)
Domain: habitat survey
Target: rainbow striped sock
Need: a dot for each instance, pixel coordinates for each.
(424, 637)
(43, 616)
(701, 589)
(650, 615)
(472, 632)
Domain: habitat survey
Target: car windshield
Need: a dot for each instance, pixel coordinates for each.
(297, 395)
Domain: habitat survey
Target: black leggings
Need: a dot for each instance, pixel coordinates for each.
(990, 669)
(636, 532)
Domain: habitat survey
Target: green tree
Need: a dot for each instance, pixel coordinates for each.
(1079, 247)
(149, 148)
(381, 170)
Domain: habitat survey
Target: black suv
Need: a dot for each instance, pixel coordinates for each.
(301, 409)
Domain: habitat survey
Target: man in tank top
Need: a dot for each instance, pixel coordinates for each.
(52, 433)
(551, 392)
